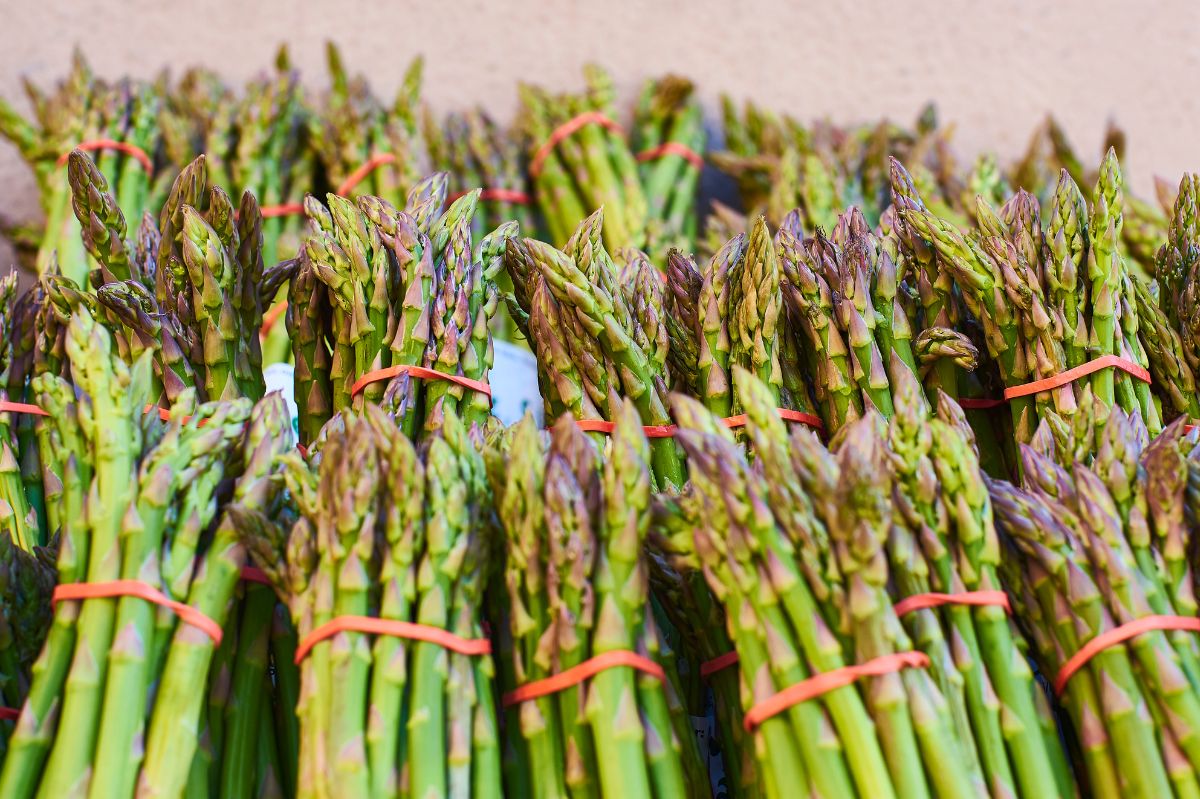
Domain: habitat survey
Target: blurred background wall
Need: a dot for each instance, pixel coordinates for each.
(994, 68)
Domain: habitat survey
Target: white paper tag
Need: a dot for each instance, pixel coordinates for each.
(514, 380)
(281, 377)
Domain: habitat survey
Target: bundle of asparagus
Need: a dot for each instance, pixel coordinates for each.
(190, 289)
(364, 145)
(669, 141)
(579, 160)
(118, 121)
(1096, 561)
(591, 708)
(26, 583)
(136, 497)
(798, 548)
(411, 713)
(479, 154)
(394, 307)
(1049, 300)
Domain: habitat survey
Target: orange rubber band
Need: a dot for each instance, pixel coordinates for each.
(719, 663)
(786, 414)
(395, 628)
(823, 683)
(9, 713)
(672, 148)
(132, 150)
(498, 195)
(934, 600)
(1118, 635)
(1071, 375)
(360, 174)
(584, 671)
(564, 130)
(419, 372)
(670, 430)
(253, 574)
(21, 407)
(136, 588)
(271, 317)
(286, 209)
(979, 403)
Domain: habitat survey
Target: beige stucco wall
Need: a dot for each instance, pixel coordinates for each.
(994, 67)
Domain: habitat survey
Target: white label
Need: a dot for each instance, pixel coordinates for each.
(281, 377)
(514, 380)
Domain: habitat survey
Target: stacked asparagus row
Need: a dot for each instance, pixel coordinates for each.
(393, 716)
(1090, 549)
(577, 588)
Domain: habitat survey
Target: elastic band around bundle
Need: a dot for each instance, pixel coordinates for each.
(1071, 375)
(935, 600)
(419, 372)
(565, 130)
(360, 174)
(672, 148)
(584, 671)
(1119, 635)
(285, 209)
(9, 713)
(823, 683)
(271, 317)
(92, 145)
(21, 407)
(136, 588)
(396, 629)
(253, 574)
(511, 196)
(979, 403)
(719, 663)
(671, 430)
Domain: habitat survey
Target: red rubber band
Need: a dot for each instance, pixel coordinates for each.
(564, 130)
(253, 574)
(303, 450)
(1187, 428)
(1071, 375)
(395, 628)
(9, 713)
(720, 662)
(21, 407)
(132, 150)
(271, 317)
(498, 195)
(1119, 635)
(584, 671)
(980, 403)
(672, 148)
(286, 209)
(420, 372)
(136, 588)
(360, 174)
(821, 684)
(934, 600)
